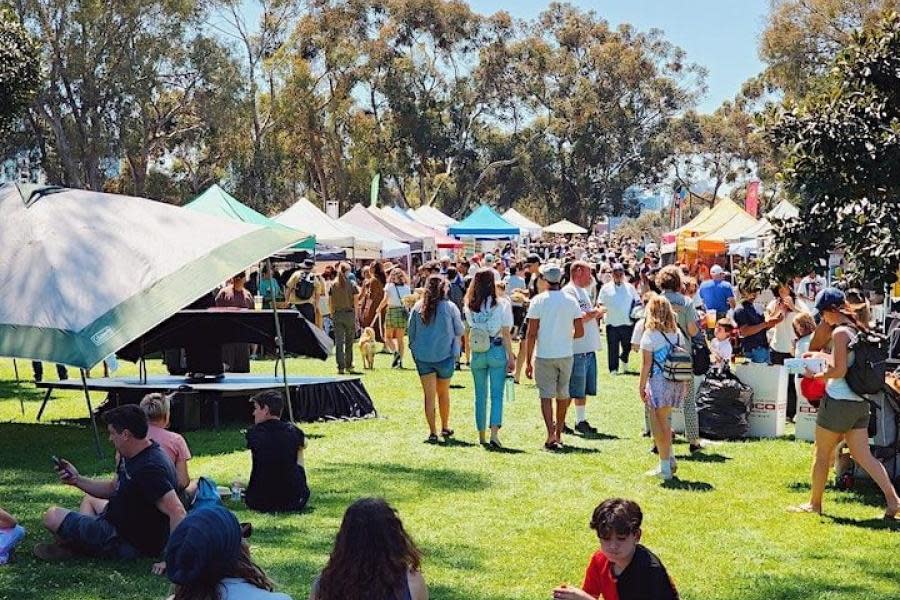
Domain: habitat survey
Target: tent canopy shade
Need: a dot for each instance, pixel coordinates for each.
(716, 241)
(701, 216)
(527, 226)
(218, 203)
(784, 210)
(401, 219)
(432, 216)
(361, 218)
(387, 216)
(94, 271)
(485, 223)
(329, 231)
(565, 227)
(720, 215)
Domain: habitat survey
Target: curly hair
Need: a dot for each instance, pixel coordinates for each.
(435, 291)
(208, 588)
(372, 554)
(669, 279)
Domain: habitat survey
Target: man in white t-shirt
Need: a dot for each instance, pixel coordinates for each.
(554, 322)
(811, 285)
(618, 297)
(583, 381)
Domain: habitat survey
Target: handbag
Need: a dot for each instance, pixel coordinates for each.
(678, 366)
(701, 357)
(405, 310)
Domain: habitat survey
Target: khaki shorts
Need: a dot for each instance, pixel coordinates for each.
(552, 376)
(840, 416)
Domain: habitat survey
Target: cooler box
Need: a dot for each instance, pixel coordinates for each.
(805, 419)
(769, 409)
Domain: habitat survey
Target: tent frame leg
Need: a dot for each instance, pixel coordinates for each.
(279, 342)
(87, 399)
(44, 403)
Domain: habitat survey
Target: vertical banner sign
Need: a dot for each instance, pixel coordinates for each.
(751, 203)
(373, 193)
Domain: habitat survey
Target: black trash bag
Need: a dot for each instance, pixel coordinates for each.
(723, 405)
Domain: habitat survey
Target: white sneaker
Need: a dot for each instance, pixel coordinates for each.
(659, 473)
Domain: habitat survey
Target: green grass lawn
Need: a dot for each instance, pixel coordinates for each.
(493, 526)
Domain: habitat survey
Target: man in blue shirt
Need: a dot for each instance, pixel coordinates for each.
(718, 295)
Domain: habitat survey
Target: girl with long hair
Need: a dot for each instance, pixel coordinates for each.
(435, 329)
(659, 394)
(372, 295)
(843, 414)
(206, 559)
(490, 315)
(373, 558)
(397, 316)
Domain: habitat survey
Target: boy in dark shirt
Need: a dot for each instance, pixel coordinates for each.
(277, 479)
(622, 569)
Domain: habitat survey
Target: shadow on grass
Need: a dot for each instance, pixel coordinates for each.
(576, 450)
(690, 486)
(863, 492)
(875, 523)
(10, 390)
(598, 436)
(504, 450)
(367, 479)
(703, 457)
(798, 587)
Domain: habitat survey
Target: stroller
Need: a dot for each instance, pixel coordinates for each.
(884, 436)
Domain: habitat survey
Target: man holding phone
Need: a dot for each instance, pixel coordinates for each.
(143, 504)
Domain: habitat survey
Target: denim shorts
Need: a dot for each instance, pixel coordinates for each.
(95, 536)
(443, 369)
(583, 382)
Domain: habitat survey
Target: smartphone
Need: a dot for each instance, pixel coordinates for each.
(56, 462)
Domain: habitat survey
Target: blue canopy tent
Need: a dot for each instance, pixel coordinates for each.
(484, 223)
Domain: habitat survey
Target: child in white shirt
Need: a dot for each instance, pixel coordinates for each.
(721, 342)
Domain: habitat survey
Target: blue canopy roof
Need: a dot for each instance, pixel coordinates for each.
(484, 222)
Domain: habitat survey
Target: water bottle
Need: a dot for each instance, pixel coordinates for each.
(509, 389)
(236, 492)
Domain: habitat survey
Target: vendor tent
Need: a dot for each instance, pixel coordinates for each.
(441, 239)
(388, 217)
(716, 241)
(565, 227)
(304, 214)
(432, 216)
(484, 223)
(366, 221)
(528, 227)
(669, 238)
(784, 210)
(217, 202)
(91, 271)
(750, 241)
(720, 215)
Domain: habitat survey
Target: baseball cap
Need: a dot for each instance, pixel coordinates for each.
(552, 273)
(618, 267)
(716, 270)
(830, 298)
(533, 259)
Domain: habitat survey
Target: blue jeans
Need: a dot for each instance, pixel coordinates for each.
(489, 366)
(759, 355)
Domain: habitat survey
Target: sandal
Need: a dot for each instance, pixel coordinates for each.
(432, 439)
(446, 433)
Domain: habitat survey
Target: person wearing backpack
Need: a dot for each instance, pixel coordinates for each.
(666, 374)
(844, 411)
(302, 292)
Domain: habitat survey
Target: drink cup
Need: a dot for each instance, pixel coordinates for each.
(257, 302)
(711, 319)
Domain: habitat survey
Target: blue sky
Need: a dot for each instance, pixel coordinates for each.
(721, 35)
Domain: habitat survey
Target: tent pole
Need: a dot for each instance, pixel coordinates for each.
(16, 370)
(280, 343)
(87, 399)
(21, 399)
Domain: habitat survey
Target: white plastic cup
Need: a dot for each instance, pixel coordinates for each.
(257, 302)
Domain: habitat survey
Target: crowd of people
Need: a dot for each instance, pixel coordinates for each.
(544, 309)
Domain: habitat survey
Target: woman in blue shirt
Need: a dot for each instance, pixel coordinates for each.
(435, 329)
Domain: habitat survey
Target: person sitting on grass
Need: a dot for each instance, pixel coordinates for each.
(143, 505)
(11, 533)
(277, 478)
(622, 569)
(373, 558)
(207, 560)
(157, 408)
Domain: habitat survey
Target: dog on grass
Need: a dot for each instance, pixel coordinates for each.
(367, 347)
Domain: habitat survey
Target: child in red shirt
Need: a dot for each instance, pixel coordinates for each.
(622, 569)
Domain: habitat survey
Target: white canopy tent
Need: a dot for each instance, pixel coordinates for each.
(784, 210)
(529, 228)
(565, 227)
(429, 215)
(307, 216)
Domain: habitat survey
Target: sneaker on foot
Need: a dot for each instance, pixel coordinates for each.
(585, 428)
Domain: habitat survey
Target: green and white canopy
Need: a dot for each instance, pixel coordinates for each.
(86, 273)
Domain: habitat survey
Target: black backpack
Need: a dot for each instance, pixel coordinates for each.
(306, 288)
(867, 373)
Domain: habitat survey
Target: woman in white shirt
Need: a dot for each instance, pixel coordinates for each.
(781, 340)
(490, 318)
(397, 317)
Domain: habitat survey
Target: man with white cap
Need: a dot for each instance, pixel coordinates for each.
(554, 322)
(618, 297)
(717, 294)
